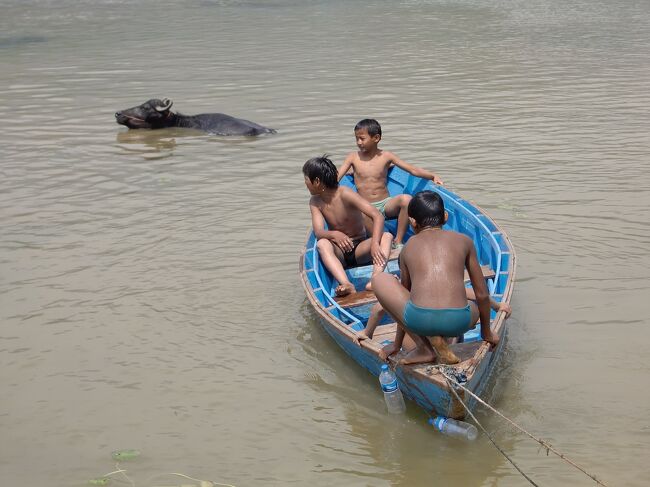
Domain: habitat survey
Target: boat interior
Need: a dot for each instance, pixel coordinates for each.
(353, 310)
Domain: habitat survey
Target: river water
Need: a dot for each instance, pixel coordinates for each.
(149, 292)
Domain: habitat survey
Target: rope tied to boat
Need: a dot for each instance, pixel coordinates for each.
(450, 375)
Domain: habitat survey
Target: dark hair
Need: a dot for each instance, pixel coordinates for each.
(322, 168)
(427, 209)
(370, 125)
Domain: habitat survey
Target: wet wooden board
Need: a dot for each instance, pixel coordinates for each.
(365, 297)
(386, 333)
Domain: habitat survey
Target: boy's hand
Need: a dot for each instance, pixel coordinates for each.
(378, 257)
(492, 339)
(342, 241)
(436, 179)
(505, 307)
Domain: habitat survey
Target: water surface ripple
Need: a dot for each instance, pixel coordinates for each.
(149, 295)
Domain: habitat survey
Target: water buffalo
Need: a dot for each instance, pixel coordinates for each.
(156, 114)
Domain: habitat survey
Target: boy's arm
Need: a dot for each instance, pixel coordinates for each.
(347, 164)
(416, 171)
(495, 305)
(404, 276)
(318, 224)
(481, 293)
(353, 198)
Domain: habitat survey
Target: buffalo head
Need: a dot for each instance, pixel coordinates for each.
(152, 114)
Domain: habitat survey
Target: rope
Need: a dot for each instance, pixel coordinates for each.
(444, 371)
(451, 386)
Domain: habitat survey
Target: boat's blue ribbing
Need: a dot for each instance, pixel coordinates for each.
(327, 300)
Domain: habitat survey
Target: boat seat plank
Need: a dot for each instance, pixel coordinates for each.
(464, 351)
(356, 299)
(364, 297)
(385, 332)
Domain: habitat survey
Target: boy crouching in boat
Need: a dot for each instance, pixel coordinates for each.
(346, 241)
(431, 300)
(445, 356)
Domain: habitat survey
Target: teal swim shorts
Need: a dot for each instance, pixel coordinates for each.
(446, 322)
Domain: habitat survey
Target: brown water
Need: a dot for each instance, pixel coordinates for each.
(149, 295)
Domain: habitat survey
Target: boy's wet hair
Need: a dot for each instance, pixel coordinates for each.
(427, 209)
(322, 168)
(370, 125)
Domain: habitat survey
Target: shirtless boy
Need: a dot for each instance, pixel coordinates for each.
(345, 242)
(370, 165)
(431, 300)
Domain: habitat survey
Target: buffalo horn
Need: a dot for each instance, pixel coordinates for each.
(167, 104)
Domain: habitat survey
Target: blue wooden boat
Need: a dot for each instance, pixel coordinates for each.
(343, 317)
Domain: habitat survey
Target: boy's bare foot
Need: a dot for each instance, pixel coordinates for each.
(445, 356)
(344, 289)
(369, 286)
(387, 351)
(417, 356)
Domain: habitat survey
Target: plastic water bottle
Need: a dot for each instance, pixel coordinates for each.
(392, 394)
(454, 427)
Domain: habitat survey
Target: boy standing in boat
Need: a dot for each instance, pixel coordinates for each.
(370, 166)
(431, 300)
(345, 241)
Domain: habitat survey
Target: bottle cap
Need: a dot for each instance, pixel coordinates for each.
(384, 367)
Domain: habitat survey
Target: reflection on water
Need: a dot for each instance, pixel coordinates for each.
(148, 287)
(162, 143)
(403, 449)
(17, 41)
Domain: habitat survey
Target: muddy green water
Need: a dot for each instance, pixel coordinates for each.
(149, 293)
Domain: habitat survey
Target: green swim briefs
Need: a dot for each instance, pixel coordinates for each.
(380, 205)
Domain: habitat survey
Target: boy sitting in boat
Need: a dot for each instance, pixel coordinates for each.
(431, 300)
(345, 242)
(370, 168)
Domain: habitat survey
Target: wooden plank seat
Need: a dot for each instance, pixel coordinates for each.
(364, 297)
(386, 333)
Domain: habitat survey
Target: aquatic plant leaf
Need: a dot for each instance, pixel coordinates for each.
(128, 454)
(99, 481)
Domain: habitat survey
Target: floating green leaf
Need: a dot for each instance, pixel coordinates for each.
(128, 454)
(99, 481)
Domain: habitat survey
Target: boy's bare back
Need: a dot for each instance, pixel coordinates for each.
(435, 261)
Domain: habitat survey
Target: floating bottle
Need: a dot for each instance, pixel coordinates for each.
(392, 394)
(454, 427)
